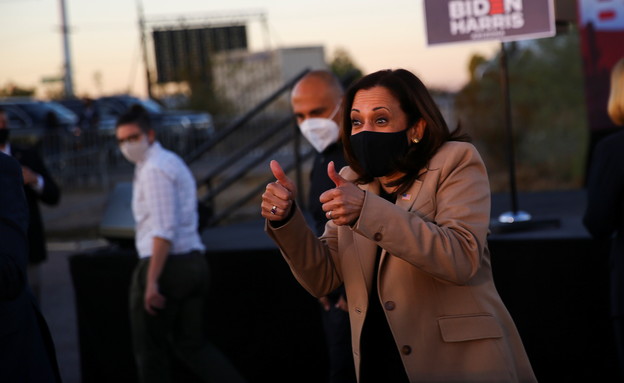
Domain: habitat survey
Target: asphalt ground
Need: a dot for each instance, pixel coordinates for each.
(58, 304)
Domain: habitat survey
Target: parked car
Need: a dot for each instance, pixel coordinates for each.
(179, 130)
(30, 120)
(161, 117)
(89, 120)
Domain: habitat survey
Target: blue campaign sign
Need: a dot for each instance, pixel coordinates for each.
(451, 21)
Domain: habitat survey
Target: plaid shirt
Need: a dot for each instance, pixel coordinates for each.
(164, 203)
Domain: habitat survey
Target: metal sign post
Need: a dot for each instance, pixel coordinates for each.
(515, 215)
(502, 20)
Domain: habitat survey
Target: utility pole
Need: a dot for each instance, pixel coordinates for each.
(148, 78)
(67, 77)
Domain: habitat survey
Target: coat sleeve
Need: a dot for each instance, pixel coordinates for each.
(444, 234)
(605, 188)
(310, 259)
(51, 194)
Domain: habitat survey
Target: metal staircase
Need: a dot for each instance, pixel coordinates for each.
(237, 158)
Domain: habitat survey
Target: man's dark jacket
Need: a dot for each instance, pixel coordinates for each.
(26, 348)
(320, 182)
(50, 196)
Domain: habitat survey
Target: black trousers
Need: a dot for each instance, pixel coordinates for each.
(618, 329)
(177, 331)
(340, 352)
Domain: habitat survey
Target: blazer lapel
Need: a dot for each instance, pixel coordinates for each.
(366, 249)
(407, 199)
(406, 202)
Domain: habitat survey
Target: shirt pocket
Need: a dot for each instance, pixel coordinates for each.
(462, 328)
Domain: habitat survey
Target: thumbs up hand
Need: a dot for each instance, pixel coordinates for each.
(278, 197)
(343, 204)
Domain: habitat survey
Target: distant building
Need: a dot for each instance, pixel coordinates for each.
(246, 78)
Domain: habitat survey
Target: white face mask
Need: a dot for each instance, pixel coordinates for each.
(321, 132)
(135, 151)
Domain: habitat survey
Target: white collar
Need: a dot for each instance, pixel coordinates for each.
(6, 149)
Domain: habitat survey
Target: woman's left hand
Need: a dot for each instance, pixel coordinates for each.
(342, 204)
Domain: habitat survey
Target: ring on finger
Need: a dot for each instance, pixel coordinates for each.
(329, 213)
(274, 209)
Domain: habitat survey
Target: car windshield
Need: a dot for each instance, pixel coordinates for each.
(151, 105)
(34, 109)
(40, 110)
(63, 111)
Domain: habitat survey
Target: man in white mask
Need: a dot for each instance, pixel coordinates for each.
(316, 100)
(170, 282)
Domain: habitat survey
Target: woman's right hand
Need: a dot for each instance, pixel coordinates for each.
(277, 199)
(343, 204)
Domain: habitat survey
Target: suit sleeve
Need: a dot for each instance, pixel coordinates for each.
(13, 224)
(309, 258)
(51, 193)
(604, 191)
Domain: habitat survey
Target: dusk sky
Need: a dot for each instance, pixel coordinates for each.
(106, 55)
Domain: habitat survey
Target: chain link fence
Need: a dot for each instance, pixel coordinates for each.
(92, 159)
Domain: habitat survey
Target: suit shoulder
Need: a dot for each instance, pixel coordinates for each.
(9, 164)
(25, 155)
(16, 148)
(611, 142)
(455, 152)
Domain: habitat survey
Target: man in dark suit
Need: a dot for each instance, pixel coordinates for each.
(26, 347)
(38, 186)
(316, 101)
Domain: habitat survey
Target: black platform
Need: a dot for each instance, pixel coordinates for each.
(553, 279)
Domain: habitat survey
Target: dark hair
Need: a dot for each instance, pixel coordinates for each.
(136, 114)
(416, 103)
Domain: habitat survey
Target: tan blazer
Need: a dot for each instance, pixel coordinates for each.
(435, 280)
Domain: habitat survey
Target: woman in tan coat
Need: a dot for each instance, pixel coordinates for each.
(406, 233)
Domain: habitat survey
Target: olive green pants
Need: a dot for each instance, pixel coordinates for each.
(177, 331)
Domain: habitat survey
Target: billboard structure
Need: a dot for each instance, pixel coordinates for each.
(184, 54)
(181, 48)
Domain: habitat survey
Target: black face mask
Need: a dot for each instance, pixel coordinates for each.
(4, 136)
(377, 152)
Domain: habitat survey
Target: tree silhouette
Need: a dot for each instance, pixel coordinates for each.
(344, 68)
(548, 113)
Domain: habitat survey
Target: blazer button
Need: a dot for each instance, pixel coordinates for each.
(389, 305)
(377, 237)
(406, 350)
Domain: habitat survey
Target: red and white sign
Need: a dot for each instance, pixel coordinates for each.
(604, 15)
(601, 27)
(451, 21)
